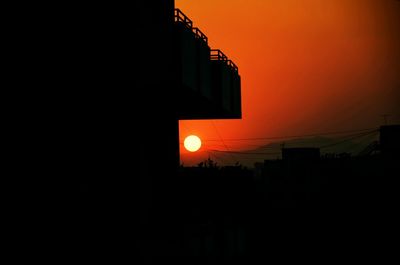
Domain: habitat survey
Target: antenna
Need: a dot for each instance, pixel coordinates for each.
(385, 116)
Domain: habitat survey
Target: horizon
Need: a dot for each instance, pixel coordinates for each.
(350, 142)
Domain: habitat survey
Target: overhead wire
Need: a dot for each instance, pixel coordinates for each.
(350, 135)
(222, 141)
(349, 139)
(244, 153)
(292, 136)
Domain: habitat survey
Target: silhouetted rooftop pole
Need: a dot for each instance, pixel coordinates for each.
(385, 116)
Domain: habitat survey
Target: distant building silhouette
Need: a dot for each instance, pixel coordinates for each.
(301, 154)
(303, 178)
(390, 140)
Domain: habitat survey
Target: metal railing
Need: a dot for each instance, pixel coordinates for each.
(218, 55)
(180, 17)
(200, 34)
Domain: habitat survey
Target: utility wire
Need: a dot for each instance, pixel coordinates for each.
(294, 136)
(244, 153)
(354, 136)
(222, 140)
(348, 139)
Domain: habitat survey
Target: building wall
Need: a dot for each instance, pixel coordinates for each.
(158, 122)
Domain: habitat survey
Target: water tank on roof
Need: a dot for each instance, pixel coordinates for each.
(204, 65)
(192, 56)
(208, 82)
(226, 85)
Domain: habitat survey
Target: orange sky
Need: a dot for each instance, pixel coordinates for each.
(307, 66)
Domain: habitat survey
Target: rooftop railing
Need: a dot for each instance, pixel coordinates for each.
(180, 17)
(218, 55)
(200, 34)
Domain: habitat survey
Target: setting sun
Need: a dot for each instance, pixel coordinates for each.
(192, 143)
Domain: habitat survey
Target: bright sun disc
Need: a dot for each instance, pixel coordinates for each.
(192, 143)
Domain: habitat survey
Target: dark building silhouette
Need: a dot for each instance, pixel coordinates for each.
(326, 200)
(208, 82)
(120, 145)
(301, 154)
(389, 139)
(128, 76)
(303, 178)
(180, 78)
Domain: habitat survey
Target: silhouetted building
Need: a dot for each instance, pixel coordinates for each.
(120, 144)
(389, 140)
(207, 81)
(179, 79)
(300, 154)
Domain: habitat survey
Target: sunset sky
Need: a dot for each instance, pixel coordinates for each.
(307, 66)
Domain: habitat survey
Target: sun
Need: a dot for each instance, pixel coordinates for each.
(192, 143)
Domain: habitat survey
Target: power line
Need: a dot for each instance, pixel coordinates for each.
(226, 147)
(352, 137)
(349, 139)
(293, 136)
(244, 153)
(385, 117)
